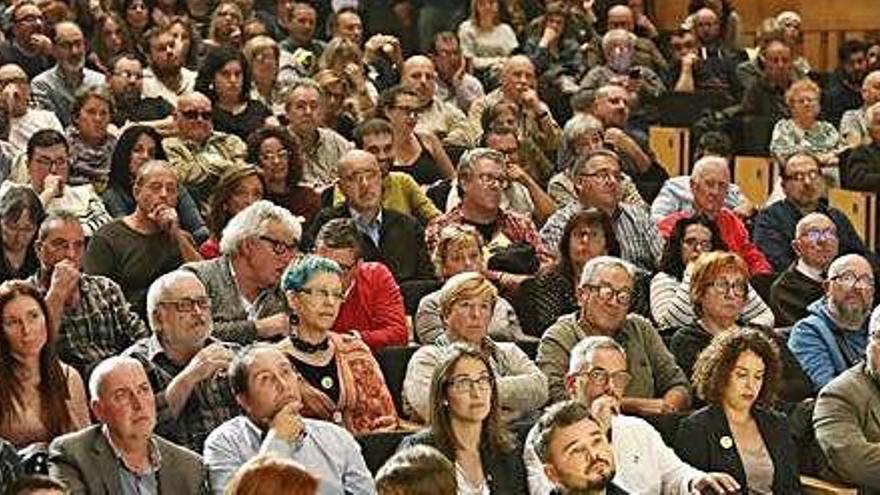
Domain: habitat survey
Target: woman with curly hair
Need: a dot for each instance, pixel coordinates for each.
(238, 188)
(225, 78)
(738, 375)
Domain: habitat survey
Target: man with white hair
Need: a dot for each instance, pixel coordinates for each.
(834, 335)
(24, 120)
(597, 376)
(816, 246)
(256, 247)
(845, 420)
(645, 52)
(677, 195)
(605, 290)
(186, 366)
(710, 181)
(863, 164)
(122, 454)
(854, 123)
(619, 68)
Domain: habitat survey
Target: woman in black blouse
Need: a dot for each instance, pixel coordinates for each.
(20, 215)
(226, 79)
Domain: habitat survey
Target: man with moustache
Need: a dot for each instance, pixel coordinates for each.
(126, 84)
(28, 47)
(55, 88)
(845, 420)
(121, 454)
(186, 366)
(256, 246)
(24, 121)
(834, 335)
(94, 319)
(166, 77)
(596, 379)
(267, 388)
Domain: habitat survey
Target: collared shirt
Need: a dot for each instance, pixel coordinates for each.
(676, 195)
(199, 166)
(320, 158)
(327, 451)
(210, 403)
(252, 308)
(639, 240)
(370, 228)
(82, 201)
(101, 325)
(154, 87)
(52, 91)
(853, 124)
(448, 122)
(812, 273)
(468, 90)
(514, 198)
(135, 482)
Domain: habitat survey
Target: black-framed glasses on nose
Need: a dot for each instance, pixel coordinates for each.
(188, 304)
(604, 175)
(197, 115)
(53, 165)
(601, 377)
(490, 180)
(607, 293)
(464, 384)
(694, 243)
(279, 247)
(850, 280)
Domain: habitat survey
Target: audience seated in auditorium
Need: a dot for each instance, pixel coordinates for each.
(224, 77)
(256, 247)
(417, 470)
(341, 380)
(373, 306)
(467, 301)
(48, 173)
(267, 388)
(272, 474)
(237, 188)
(854, 122)
(506, 113)
(698, 67)
(185, 364)
(26, 43)
(466, 425)
(842, 90)
(482, 178)
(89, 137)
(765, 81)
(816, 244)
(774, 226)
(122, 453)
(640, 81)
(130, 106)
(454, 84)
(739, 375)
(605, 290)
(92, 317)
(486, 38)
(20, 216)
(645, 52)
(596, 379)
(863, 163)
(24, 120)
(460, 249)
(554, 48)
(42, 396)
(198, 153)
(137, 145)
(135, 249)
(597, 182)
(847, 429)
(167, 75)
(833, 337)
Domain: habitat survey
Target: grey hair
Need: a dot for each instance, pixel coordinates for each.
(618, 34)
(104, 368)
(869, 114)
(251, 222)
(706, 163)
(303, 82)
(160, 286)
(840, 264)
(148, 167)
(470, 158)
(874, 322)
(63, 216)
(592, 267)
(580, 125)
(808, 219)
(581, 162)
(581, 354)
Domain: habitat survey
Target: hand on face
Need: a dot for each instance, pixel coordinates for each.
(65, 280)
(165, 218)
(211, 360)
(287, 422)
(54, 183)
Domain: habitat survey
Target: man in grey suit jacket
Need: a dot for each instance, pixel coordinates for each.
(122, 455)
(257, 245)
(847, 418)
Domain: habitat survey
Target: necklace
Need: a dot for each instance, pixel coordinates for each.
(308, 347)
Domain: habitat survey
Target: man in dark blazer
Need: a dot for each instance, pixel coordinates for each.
(392, 238)
(121, 455)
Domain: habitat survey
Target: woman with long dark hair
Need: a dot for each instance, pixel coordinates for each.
(225, 78)
(40, 397)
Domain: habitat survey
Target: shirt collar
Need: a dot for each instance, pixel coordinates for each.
(811, 273)
(361, 219)
(155, 455)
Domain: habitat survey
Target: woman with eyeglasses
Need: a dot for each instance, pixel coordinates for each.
(21, 214)
(238, 188)
(41, 398)
(467, 303)
(418, 154)
(225, 78)
(466, 425)
(672, 302)
(340, 379)
(739, 375)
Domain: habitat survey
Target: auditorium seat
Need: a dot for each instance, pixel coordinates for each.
(393, 362)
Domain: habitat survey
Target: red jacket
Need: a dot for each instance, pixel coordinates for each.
(374, 307)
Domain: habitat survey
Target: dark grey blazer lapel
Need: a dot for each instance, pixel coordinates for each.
(105, 463)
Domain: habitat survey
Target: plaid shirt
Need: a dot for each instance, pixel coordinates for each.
(210, 404)
(100, 326)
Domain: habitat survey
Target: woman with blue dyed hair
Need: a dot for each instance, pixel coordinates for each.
(341, 380)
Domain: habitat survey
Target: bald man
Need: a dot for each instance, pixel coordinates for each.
(646, 51)
(24, 121)
(854, 124)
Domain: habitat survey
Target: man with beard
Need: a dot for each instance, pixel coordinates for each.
(185, 364)
(166, 77)
(597, 376)
(29, 47)
(24, 121)
(246, 302)
(834, 335)
(129, 105)
(267, 388)
(94, 319)
(54, 89)
(843, 90)
(845, 419)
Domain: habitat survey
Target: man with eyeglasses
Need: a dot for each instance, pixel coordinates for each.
(94, 320)
(834, 335)
(482, 179)
(710, 181)
(126, 83)
(256, 246)
(845, 419)
(24, 121)
(185, 364)
(658, 384)
(55, 88)
(597, 182)
(198, 153)
(28, 47)
(816, 246)
(389, 237)
(774, 227)
(597, 378)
